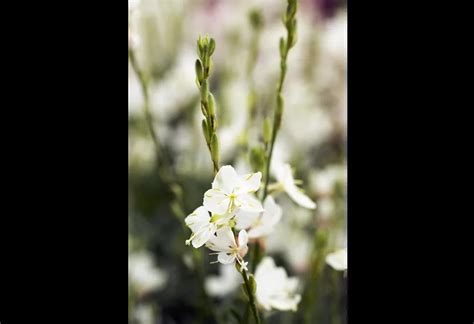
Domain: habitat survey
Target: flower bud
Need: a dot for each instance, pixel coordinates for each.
(211, 103)
(199, 71)
(214, 147)
(205, 130)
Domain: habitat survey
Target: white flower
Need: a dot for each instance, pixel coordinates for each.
(261, 224)
(228, 251)
(338, 260)
(274, 288)
(228, 281)
(230, 192)
(144, 276)
(285, 179)
(203, 226)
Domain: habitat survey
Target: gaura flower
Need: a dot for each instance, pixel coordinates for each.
(228, 250)
(274, 288)
(203, 226)
(338, 259)
(260, 224)
(287, 182)
(231, 192)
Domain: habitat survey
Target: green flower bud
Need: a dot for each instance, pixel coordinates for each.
(211, 103)
(199, 71)
(205, 131)
(212, 46)
(282, 47)
(214, 148)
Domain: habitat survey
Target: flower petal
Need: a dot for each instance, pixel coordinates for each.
(248, 203)
(250, 182)
(243, 238)
(197, 219)
(259, 231)
(272, 213)
(203, 235)
(299, 197)
(226, 179)
(244, 219)
(216, 201)
(222, 241)
(225, 257)
(338, 260)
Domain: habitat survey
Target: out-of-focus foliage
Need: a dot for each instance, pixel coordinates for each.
(162, 276)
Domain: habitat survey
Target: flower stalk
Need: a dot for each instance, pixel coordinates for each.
(289, 19)
(250, 289)
(167, 174)
(203, 65)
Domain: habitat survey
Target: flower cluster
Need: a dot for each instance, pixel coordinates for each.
(229, 204)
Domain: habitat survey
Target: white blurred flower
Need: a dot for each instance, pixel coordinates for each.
(260, 224)
(274, 288)
(285, 178)
(144, 276)
(227, 282)
(228, 250)
(143, 314)
(326, 207)
(323, 181)
(231, 192)
(338, 259)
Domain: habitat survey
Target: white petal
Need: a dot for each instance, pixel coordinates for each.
(283, 173)
(338, 260)
(259, 231)
(222, 241)
(286, 303)
(250, 182)
(244, 220)
(225, 257)
(203, 235)
(226, 179)
(272, 213)
(216, 201)
(197, 219)
(299, 197)
(248, 203)
(243, 238)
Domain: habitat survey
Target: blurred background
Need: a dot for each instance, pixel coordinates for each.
(173, 283)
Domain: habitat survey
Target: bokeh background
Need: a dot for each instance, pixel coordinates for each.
(163, 273)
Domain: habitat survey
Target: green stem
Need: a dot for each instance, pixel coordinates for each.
(168, 174)
(251, 297)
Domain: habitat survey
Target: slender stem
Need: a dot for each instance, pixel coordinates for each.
(168, 175)
(285, 46)
(250, 295)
